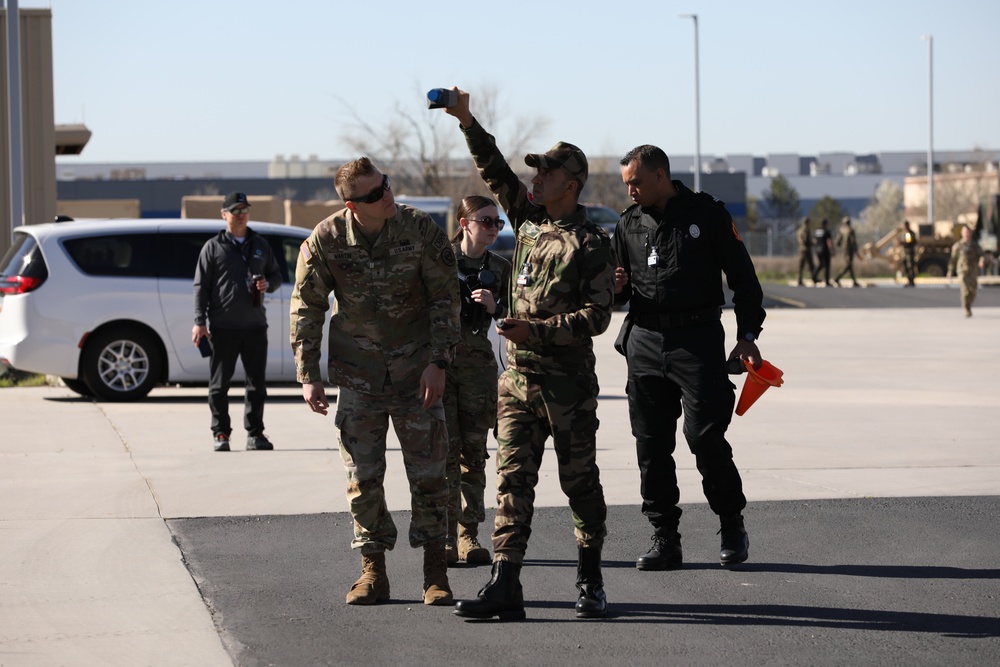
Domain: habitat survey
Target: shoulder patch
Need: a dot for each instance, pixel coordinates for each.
(736, 233)
(448, 256)
(304, 251)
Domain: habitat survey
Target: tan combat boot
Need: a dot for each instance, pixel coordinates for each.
(373, 585)
(469, 548)
(436, 588)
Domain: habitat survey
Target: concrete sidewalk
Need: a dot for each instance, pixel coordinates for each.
(876, 403)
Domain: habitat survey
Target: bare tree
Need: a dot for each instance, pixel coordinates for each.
(417, 145)
(883, 214)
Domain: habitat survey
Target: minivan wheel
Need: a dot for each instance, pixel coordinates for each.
(121, 364)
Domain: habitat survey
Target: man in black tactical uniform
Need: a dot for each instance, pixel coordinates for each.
(673, 246)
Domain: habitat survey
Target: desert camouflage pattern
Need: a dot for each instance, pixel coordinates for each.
(570, 268)
(470, 405)
(529, 411)
(964, 263)
(474, 349)
(396, 303)
(804, 239)
(363, 422)
(550, 386)
(847, 240)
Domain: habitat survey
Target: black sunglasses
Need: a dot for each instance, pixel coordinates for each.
(373, 196)
(489, 223)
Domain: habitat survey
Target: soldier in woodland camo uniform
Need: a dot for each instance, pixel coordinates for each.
(470, 397)
(560, 297)
(393, 328)
(966, 260)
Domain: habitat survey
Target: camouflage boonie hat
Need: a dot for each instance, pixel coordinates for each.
(564, 155)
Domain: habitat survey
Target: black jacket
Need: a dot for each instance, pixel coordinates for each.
(222, 281)
(695, 241)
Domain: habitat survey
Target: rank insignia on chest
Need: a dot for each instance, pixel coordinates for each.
(528, 233)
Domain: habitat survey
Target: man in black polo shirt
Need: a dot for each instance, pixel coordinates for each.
(673, 246)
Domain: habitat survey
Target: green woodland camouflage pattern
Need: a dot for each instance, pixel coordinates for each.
(964, 263)
(470, 405)
(396, 309)
(396, 305)
(571, 266)
(550, 386)
(363, 421)
(529, 411)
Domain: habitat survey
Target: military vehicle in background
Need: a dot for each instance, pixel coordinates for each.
(934, 241)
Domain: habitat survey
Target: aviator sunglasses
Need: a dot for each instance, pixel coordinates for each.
(373, 196)
(489, 223)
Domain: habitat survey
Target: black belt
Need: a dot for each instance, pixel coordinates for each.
(664, 321)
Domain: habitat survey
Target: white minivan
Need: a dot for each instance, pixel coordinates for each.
(108, 305)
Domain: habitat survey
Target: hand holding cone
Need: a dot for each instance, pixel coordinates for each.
(757, 382)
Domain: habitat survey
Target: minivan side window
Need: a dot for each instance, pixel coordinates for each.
(115, 254)
(179, 253)
(286, 251)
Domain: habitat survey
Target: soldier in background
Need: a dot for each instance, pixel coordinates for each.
(966, 260)
(804, 237)
(848, 242)
(908, 241)
(392, 271)
(560, 298)
(470, 397)
(824, 252)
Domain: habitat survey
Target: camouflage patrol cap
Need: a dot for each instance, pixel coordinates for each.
(564, 155)
(846, 220)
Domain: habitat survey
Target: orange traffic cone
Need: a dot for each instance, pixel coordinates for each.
(757, 382)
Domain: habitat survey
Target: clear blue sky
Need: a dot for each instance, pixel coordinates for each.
(213, 80)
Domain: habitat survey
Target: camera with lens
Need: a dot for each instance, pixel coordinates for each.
(474, 314)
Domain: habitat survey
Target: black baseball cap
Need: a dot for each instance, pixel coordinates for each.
(233, 199)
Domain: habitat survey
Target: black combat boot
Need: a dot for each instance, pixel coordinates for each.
(592, 602)
(502, 596)
(735, 541)
(665, 554)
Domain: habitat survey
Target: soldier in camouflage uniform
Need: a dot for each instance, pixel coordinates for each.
(966, 260)
(470, 396)
(908, 241)
(805, 240)
(848, 242)
(560, 297)
(393, 328)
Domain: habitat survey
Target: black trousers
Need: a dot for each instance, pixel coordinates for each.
(823, 266)
(668, 370)
(250, 345)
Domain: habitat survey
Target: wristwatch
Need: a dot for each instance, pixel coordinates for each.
(749, 337)
(440, 363)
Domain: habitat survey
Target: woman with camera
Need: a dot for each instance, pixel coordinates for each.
(470, 395)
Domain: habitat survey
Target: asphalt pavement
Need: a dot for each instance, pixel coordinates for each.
(873, 477)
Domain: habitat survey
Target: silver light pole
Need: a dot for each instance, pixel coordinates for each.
(697, 107)
(14, 115)
(930, 127)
